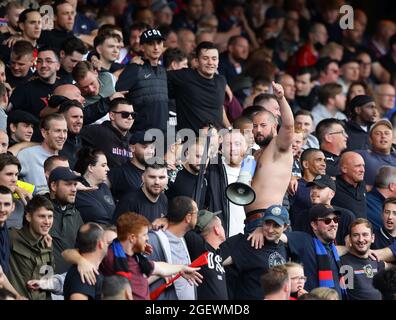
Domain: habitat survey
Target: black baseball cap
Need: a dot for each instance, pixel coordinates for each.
(150, 35)
(17, 116)
(321, 211)
(323, 182)
(141, 138)
(62, 173)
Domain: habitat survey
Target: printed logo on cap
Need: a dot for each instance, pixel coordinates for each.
(153, 32)
(276, 211)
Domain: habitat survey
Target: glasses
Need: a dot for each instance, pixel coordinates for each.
(296, 278)
(386, 95)
(340, 132)
(328, 220)
(126, 114)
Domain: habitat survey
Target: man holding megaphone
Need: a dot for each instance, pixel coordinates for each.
(274, 159)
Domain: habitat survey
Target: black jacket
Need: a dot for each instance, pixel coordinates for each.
(358, 139)
(215, 193)
(72, 145)
(351, 198)
(148, 93)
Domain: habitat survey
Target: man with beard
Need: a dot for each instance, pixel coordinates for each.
(232, 61)
(149, 200)
(274, 159)
(358, 269)
(186, 179)
(54, 132)
(170, 245)
(317, 251)
(125, 256)
(363, 111)
(323, 189)
(62, 183)
(73, 112)
(128, 177)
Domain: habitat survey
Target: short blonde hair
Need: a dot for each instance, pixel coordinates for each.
(325, 293)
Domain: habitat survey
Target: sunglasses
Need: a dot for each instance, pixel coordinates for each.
(126, 114)
(328, 220)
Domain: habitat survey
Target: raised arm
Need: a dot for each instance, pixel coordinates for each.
(286, 131)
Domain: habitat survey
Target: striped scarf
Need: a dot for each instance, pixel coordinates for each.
(120, 260)
(325, 274)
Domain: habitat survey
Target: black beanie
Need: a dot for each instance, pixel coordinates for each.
(359, 101)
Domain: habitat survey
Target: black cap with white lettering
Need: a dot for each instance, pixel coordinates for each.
(150, 35)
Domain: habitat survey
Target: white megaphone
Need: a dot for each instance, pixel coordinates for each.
(240, 192)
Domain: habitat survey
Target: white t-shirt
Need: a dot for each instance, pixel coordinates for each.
(237, 213)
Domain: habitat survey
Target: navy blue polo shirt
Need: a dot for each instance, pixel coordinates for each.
(351, 198)
(382, 239)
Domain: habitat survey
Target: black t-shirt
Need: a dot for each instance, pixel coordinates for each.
(96, 205)
(54, 38)
(214, 285)
(17, 81)
(125, 179)
(363, 270)
(73, 284)
(185, 185)
(138, 202)
(332, 164)
(65, 76)
(198, 100)
(250, 264)
(33, 96)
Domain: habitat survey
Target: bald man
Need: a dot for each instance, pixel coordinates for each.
(274, 159)
(92, 112)
(386, 99)
(351, 188)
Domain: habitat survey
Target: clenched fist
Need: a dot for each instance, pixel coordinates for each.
(278, 90)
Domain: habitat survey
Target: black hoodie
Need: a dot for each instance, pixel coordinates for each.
(108, 139)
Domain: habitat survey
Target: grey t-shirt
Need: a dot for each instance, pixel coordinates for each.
(180, 255)
(32, 162)
(3, 120)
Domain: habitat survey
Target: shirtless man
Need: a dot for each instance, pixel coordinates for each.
(274, 159)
